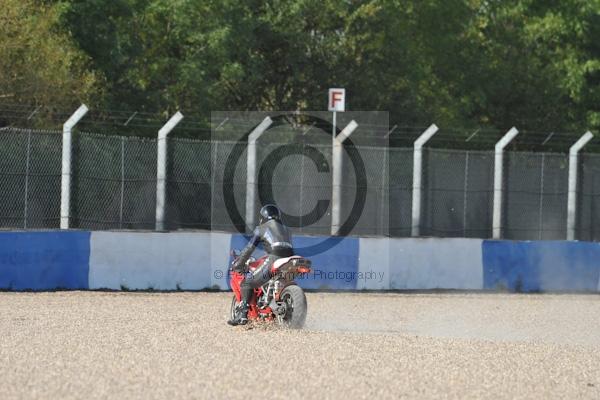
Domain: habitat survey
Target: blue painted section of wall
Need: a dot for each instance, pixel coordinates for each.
(541, 265)
(44, 260)
(333, 268)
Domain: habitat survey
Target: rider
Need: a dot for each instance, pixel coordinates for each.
(277, 243)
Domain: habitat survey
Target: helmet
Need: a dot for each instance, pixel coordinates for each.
(269, 211)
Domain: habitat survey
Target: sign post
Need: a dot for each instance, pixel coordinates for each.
(336, 102)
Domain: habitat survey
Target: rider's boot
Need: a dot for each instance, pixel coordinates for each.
(241, 315)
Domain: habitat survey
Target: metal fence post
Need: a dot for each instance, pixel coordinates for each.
(572, 196)
(65, 184)
(214, 152)
(417, 177)
(541, 199)
(336, 185)
(161, 169)
(122, 182)
(498, 173)
(384, 181)
(466, 192)
(300, 230)
(251, 170)
(25, 206)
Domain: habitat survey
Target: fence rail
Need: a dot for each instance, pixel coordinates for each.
(114, 181)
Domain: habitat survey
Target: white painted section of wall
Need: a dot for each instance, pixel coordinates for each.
(219, 259)
(435, 264)
(146, 260)
(373, 264)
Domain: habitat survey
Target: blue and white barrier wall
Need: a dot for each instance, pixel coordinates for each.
(199, 260)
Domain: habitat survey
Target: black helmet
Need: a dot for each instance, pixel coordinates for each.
(269, 211)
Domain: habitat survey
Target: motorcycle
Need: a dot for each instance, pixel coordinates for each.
(279, 300)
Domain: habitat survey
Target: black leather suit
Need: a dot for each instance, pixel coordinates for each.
(276, 240)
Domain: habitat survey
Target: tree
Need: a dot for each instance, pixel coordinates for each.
(39, 65)
(461, 63)
(533, 64)
(204, 55)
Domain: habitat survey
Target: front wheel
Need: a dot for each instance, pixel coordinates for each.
(295, 307)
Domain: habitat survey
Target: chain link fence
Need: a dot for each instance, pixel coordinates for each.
(400, 164)
(114, 187)
(30, 175)
(458, 193)
(588, 218)
(189, 186)
(114, 182)
(536, 196)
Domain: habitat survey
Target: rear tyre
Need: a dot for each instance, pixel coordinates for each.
(295, 307)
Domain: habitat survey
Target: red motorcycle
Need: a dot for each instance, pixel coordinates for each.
(280, 299)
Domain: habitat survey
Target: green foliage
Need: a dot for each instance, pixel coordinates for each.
(39, 63)
(461, 63)
(537, 67)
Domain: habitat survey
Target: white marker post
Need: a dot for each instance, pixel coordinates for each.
(161, 169)
(65, 183)
(418, 176)
(336, 161)
(498, 180)
(251, 170)
(336, 101)
(572, 196)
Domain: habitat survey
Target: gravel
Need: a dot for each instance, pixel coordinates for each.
(359, 345)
